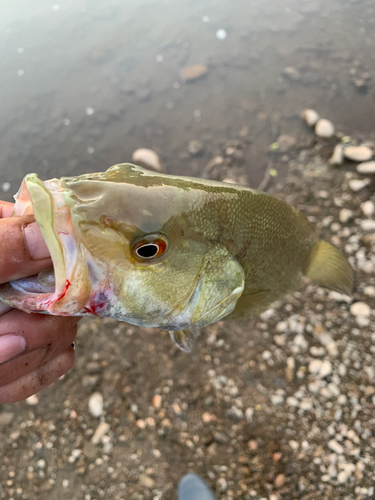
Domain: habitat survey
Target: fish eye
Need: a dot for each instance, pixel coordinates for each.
(149, 247)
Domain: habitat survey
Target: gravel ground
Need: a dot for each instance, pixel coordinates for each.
(277, 407)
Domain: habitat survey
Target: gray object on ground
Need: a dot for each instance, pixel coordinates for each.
(192, 487)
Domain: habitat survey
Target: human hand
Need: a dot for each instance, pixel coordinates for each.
(35, 349)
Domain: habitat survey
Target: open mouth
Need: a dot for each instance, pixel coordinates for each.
(65, 288)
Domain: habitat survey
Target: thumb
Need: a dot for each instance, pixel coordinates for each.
(23, 251)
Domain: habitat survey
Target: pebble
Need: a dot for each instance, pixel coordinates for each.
(337, 157)
(356, 184)
(101, 430)
(358, 153)
(157, 401)
(192, 73)
(292, 73)
(146, 481)
(324, 128)
(346, 215)
(368, 225)
(277, 399)
(195, 147)
(310, 116)
(5, 187)
(6, 418)
(285, 142)
(370, 291)
(367, 167)
(368, 208)
(320, 369)
(336, 447)
(89, 111)
(33, 400)
(147, 158)
(292, 401)
(96, 404)
(360, 309)
(94, 367)
(221, 34)
(279, 480)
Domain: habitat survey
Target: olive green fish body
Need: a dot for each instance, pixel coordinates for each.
(170, 252)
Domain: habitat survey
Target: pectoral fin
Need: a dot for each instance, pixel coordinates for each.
(185, 339)
(220, 285)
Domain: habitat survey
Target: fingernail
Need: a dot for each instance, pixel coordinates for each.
(10, 346)
(34, 242)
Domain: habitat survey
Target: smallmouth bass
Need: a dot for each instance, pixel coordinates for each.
(174, 253)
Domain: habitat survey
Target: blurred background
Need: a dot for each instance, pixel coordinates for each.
(279, 407)
(84, 84)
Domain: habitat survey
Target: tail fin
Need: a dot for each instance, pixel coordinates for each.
(329, 267)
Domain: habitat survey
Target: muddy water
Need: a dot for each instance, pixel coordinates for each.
(84, 83)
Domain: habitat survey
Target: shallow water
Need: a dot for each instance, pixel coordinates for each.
(85, 83)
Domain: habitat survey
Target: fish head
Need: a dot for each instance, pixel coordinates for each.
(124, 245)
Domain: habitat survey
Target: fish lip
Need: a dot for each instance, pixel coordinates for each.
(47, 202)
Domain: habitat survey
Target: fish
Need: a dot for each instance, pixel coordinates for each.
(169, 252)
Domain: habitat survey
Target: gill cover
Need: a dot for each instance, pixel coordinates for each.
(220, 285)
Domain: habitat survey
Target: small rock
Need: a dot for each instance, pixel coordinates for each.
(337, 157)
(346, 215)
(358, 153)
(89, 381)
(315, 366)
(96, 404)
(279, 481)
(326, 369)
(335, 447)
(360, 309)
(94, 367)
(370, 291)
(324, 128)
(157, 401)
(310, 116)
(368, 225)
(195, 147)
(292, 401)
(101, 430)
(367, 167)
(147, 158)
(306, 404)
(146, 481)
(368, 208)
(221, 34)
(89, 450)
(192, 73)
(277, 399)
(208, 417)
(292, 73)
(33, 400)
(357, 185)
(6, 418)
(285, 142)
(221, 437)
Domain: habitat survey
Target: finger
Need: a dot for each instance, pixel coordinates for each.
(37, 379)
(23, 250)
(36, 329)
(25, 363)
(6, 208)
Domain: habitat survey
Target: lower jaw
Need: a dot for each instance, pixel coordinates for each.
(65, 289)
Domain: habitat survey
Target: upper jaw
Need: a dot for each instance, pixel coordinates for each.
(71, 288)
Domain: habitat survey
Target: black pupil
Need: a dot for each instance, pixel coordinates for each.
(147, 251)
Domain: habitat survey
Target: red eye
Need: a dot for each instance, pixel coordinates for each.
(150, 247)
